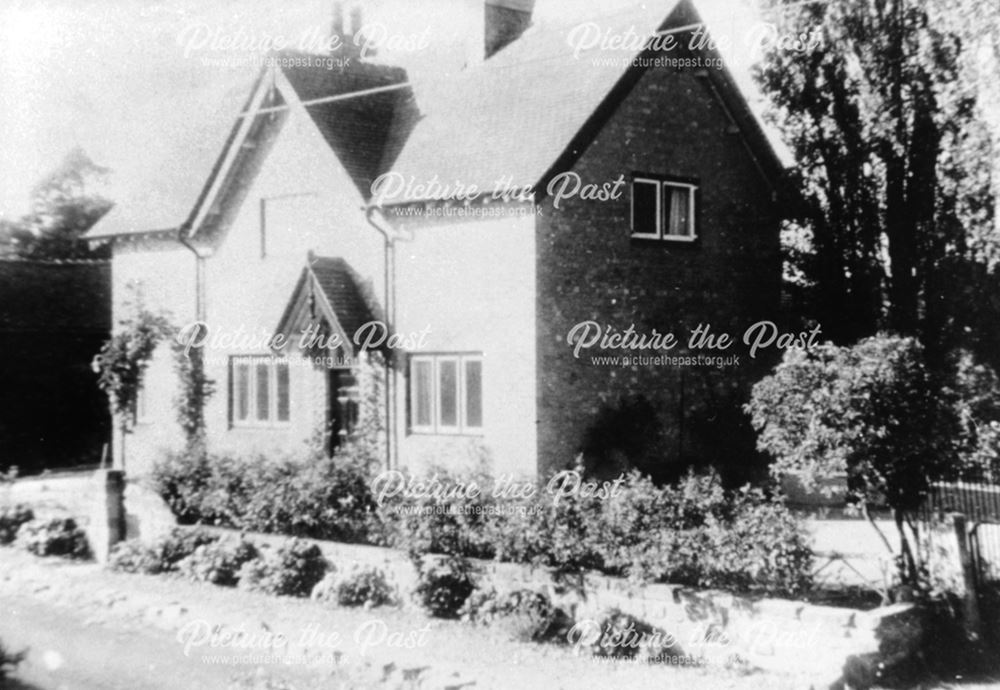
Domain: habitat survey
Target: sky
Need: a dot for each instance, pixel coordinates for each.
(127, 80)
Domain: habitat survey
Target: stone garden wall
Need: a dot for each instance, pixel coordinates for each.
(712, 626)
(718, 627)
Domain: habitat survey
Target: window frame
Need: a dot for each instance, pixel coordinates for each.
(252, 364)
(692, 190)
(666, 183)
(659, 208)
(461, 427)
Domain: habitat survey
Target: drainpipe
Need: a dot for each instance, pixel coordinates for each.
(199, 277)
(390, 315)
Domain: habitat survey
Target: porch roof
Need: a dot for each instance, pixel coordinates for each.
(328, 295)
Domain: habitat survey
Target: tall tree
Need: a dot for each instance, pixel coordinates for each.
(64, 205)
(885, 115)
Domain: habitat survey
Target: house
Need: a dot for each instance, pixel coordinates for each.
(54, 317)
(546, 185)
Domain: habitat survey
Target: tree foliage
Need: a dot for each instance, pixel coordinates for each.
(895, 164)
(871, 412)
(123, 360)
(194, 390)
(65, 204)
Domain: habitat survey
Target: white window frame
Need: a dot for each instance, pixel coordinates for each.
(692, 190)
(659, 209)
(252, 420)
(662, 231)
(461, 428)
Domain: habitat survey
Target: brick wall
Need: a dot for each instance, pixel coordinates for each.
(672, 123)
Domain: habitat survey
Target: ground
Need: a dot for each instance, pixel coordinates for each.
(87, 628)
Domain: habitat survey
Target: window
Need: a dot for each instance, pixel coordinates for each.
(260, 391)
(446, 394)
(663, 210)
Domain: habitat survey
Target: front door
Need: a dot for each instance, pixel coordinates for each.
(340, 407)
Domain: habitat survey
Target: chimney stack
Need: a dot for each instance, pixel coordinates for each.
(347, 46)
(337, 27)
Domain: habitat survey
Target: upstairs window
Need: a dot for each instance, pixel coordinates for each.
(446, 394)
(663, 210)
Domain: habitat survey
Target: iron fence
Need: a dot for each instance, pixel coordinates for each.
(979, 501)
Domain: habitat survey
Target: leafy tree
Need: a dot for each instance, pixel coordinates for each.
(64, 206)
(896, 166)
(871, 411)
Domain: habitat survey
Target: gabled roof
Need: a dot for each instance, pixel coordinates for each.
(179, 159)
(327, 295)
(523, 115)
(532, 108)
(366, 133)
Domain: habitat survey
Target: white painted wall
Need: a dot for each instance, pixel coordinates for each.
(247, 291)
(244, 290)
(473, 284)
(163, 273)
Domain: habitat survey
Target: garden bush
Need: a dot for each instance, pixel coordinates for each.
(132, 556)
(623, 636)
(182, 542)
(218, 562)
(11, 519)
(292, 569)
(314, 497)
(443, 584)
(445, 525)
(363, 586)
(54, 537)
(164, 556)
(524, 615)
(693, 532)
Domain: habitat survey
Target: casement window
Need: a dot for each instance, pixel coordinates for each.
(446, 394)
(663, 210)
(260, 391)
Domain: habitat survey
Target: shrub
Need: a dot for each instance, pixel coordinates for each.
(443, 584)
(523, 615)
(623, 636)
(54, 537)
(447, 524)
(133, 556)
(364, 586)
(314, 497)
(218, 562)
(180, 543)
(563, 533)
(693, 532)
(11, 519)
(760, 547)
(293, 569)
(873, 411)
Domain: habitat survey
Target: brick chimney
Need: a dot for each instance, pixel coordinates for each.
(347, 31)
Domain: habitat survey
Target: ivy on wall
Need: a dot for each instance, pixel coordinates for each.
(122, 363)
